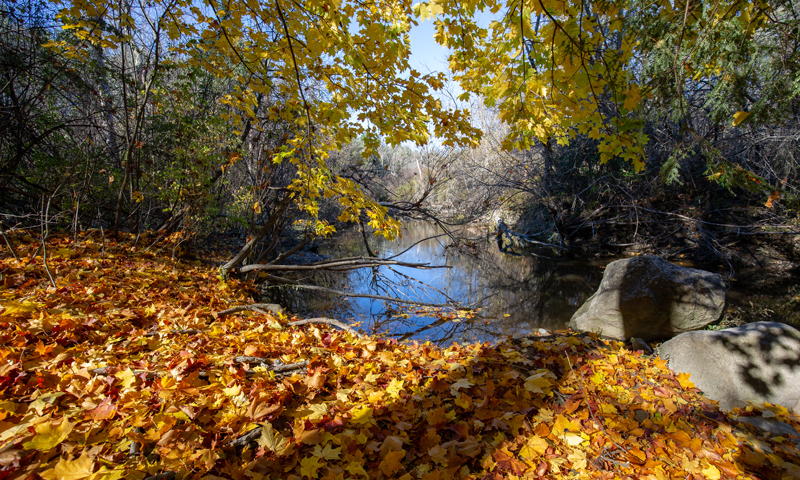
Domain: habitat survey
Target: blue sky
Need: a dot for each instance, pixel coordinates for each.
(426, 54)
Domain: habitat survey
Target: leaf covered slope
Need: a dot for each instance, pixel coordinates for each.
(124, 370)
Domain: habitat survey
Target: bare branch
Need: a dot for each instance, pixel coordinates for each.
(326, 321)
(256, 307)
(296, 284)
(349, 264)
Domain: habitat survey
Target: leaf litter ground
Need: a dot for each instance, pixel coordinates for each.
(125, 370)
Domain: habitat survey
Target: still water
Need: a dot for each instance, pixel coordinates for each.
(515, 295)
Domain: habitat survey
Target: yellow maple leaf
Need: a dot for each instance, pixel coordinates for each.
(538, 383)
(327, 452)
(362, 416)
(48, 435)
(272, 440)
(572, 439)
(309, 466)
(683, 379)
(712, 473)
(562, 425)
(536, 447)
(395, 387)
(77, 469)
(461, 383)
(19, 308)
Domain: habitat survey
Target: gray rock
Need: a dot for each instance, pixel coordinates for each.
(758, 362)
(651, 299)
(770, 425)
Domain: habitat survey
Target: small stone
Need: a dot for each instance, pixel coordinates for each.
(640, 415)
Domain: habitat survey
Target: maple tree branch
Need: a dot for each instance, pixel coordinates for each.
(350, 264)
(364, 237)
(283, 256)
(255, 307)
(282, 205)
(297, 284)
(327, 321)
(274, 365)
(296, 70)
(248, 437)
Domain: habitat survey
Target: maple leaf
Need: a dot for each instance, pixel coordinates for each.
(507, 461)
(362, 416)
(104, 411)
(390, 464)
(327, 452)
(534, 447)
(272, 440)
(309, 466)
(461, 383)
(711, 472)
(395, 387)
(562, 424)
(48, 436)
(77, 469)
(539, 382)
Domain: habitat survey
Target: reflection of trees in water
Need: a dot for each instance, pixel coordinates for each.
(534, 293)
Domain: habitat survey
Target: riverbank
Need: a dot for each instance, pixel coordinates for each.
(126, 368)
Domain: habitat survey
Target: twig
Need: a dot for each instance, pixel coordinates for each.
(45, 231)
(296, 284)
(415, 244)
(275, 367)
(188, 331)
(327, 321)
(10, 247)
(256, 307)
(360, 262)
(246, 438)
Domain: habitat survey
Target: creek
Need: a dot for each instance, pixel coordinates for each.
(517, 295)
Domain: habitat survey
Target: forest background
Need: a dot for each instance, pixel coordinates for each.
(598, 125)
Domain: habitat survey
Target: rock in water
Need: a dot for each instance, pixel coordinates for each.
(652, 299)
(758, 362)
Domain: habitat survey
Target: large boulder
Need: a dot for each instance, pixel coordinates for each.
(650, 298)
(758, 362)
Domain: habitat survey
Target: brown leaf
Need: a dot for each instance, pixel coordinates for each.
(775, 195)
(509, 463)
(104, 411)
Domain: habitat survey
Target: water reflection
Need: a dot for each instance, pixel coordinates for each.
(519, 294)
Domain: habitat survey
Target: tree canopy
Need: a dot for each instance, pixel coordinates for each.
(151, 105)
(556, 69)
